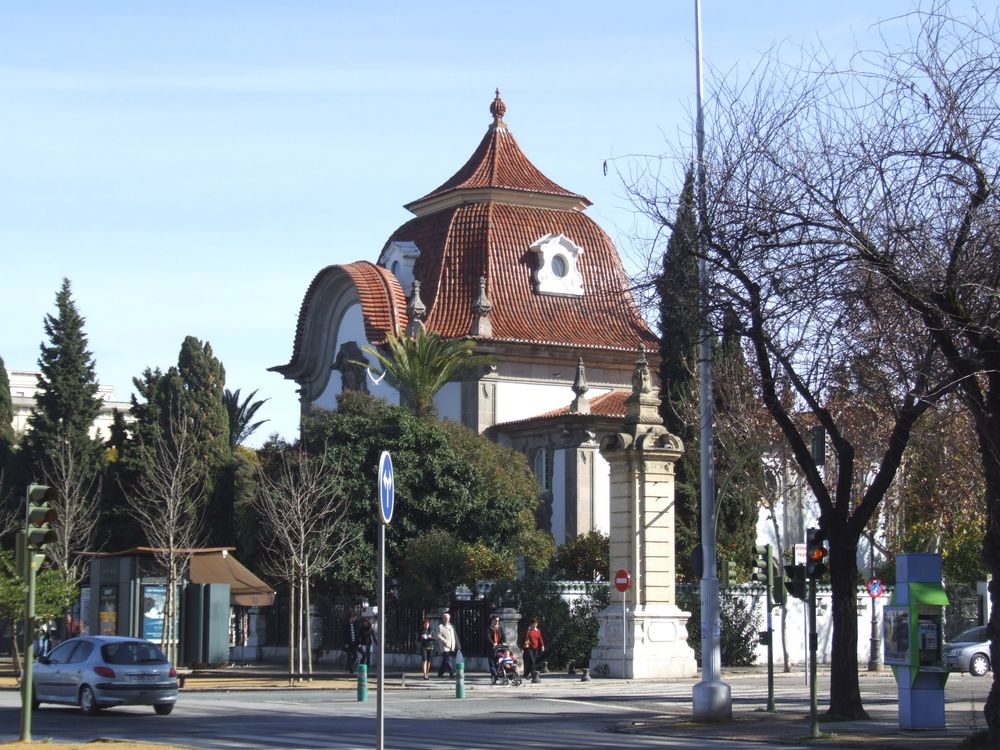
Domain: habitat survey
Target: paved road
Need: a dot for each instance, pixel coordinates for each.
(559, 713)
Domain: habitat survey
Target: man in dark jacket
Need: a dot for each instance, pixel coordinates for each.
(495, 635)
(351, 642)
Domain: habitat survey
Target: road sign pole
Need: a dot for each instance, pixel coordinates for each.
(813, 648)
(770, 629)
(380, 634)
(386, 505)
(622, 581)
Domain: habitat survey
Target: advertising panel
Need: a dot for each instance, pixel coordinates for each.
(108, 611)
(896, 630)
(154, 602)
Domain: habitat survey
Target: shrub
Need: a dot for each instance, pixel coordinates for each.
(739, 627)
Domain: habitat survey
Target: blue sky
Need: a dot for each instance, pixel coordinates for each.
(190, 166)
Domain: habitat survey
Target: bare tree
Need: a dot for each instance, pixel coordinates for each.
(808, 313)
(303, 515)
(166, 503)
(77, 507)
(884, 176)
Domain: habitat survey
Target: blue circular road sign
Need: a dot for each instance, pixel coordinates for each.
(386, 488)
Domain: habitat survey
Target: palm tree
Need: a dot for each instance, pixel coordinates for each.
(240, 426)
(420, 366)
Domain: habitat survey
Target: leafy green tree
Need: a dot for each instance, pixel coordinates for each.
(53, 595)
(433, 564)
(193, 388)
(446, 477)
(6, 412)
(241, 415)
(583, 558)
(6, 443)
(420, 366)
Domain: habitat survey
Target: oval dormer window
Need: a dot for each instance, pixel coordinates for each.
(559, 266)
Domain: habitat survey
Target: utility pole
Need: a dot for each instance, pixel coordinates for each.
(711, 698)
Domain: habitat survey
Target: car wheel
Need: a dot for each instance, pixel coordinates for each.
(979, 665)
(163, 709)
(88, 703)
(35, 703)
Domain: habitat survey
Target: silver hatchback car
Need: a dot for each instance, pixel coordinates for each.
(969, 652)
(100, 671)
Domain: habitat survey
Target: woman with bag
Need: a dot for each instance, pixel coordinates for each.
(534, 648)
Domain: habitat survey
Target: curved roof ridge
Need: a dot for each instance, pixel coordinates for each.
(498, 164)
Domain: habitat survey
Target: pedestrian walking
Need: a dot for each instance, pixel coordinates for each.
(351, 642)
(447, 640)
(534, 648)
(425, 640)
(495, 635)
(366, 639)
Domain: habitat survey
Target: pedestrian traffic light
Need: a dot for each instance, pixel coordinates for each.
(40, 516)
(761, 563)
(796, 583)
(816, 553)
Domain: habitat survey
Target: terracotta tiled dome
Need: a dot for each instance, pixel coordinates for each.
(482, 222)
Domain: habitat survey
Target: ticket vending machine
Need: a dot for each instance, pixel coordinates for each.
(912, 638)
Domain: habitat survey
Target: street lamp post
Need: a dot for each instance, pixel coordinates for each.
(711, 698)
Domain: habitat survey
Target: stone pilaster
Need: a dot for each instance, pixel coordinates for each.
(654, 629)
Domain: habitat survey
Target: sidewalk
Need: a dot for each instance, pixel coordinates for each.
(750, 724)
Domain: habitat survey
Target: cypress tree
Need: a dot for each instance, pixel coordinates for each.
(739, 467)
(679, 326)
(67, 403)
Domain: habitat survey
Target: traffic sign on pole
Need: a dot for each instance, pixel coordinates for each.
(386, 488)
(875, 588)
(623, 579)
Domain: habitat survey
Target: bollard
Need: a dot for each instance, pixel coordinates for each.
(460, 680)
(586, 675)
(362, 683)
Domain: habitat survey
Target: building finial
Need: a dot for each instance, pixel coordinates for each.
(641, 380)
(580, 404)
(416, 310)
(498, 108)
(481, 308)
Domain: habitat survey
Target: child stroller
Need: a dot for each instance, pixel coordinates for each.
(506, 665)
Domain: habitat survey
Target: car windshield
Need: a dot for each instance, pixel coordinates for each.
(975, 635)
(132, 652)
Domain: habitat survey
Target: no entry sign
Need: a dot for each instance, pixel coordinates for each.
(623, 579)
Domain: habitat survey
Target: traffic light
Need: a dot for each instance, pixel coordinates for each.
(817, 445)
(816, 553)
(40, 517)
(727, 573)
(796, 583)
(761, 562)
(779, 594)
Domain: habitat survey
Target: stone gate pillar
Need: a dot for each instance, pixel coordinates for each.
(642, 459)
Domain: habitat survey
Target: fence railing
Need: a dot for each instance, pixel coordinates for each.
(402, 624)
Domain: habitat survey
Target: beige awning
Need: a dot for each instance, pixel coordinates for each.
(245, 589)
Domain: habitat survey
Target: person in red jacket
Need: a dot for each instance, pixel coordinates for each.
(534, 647)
